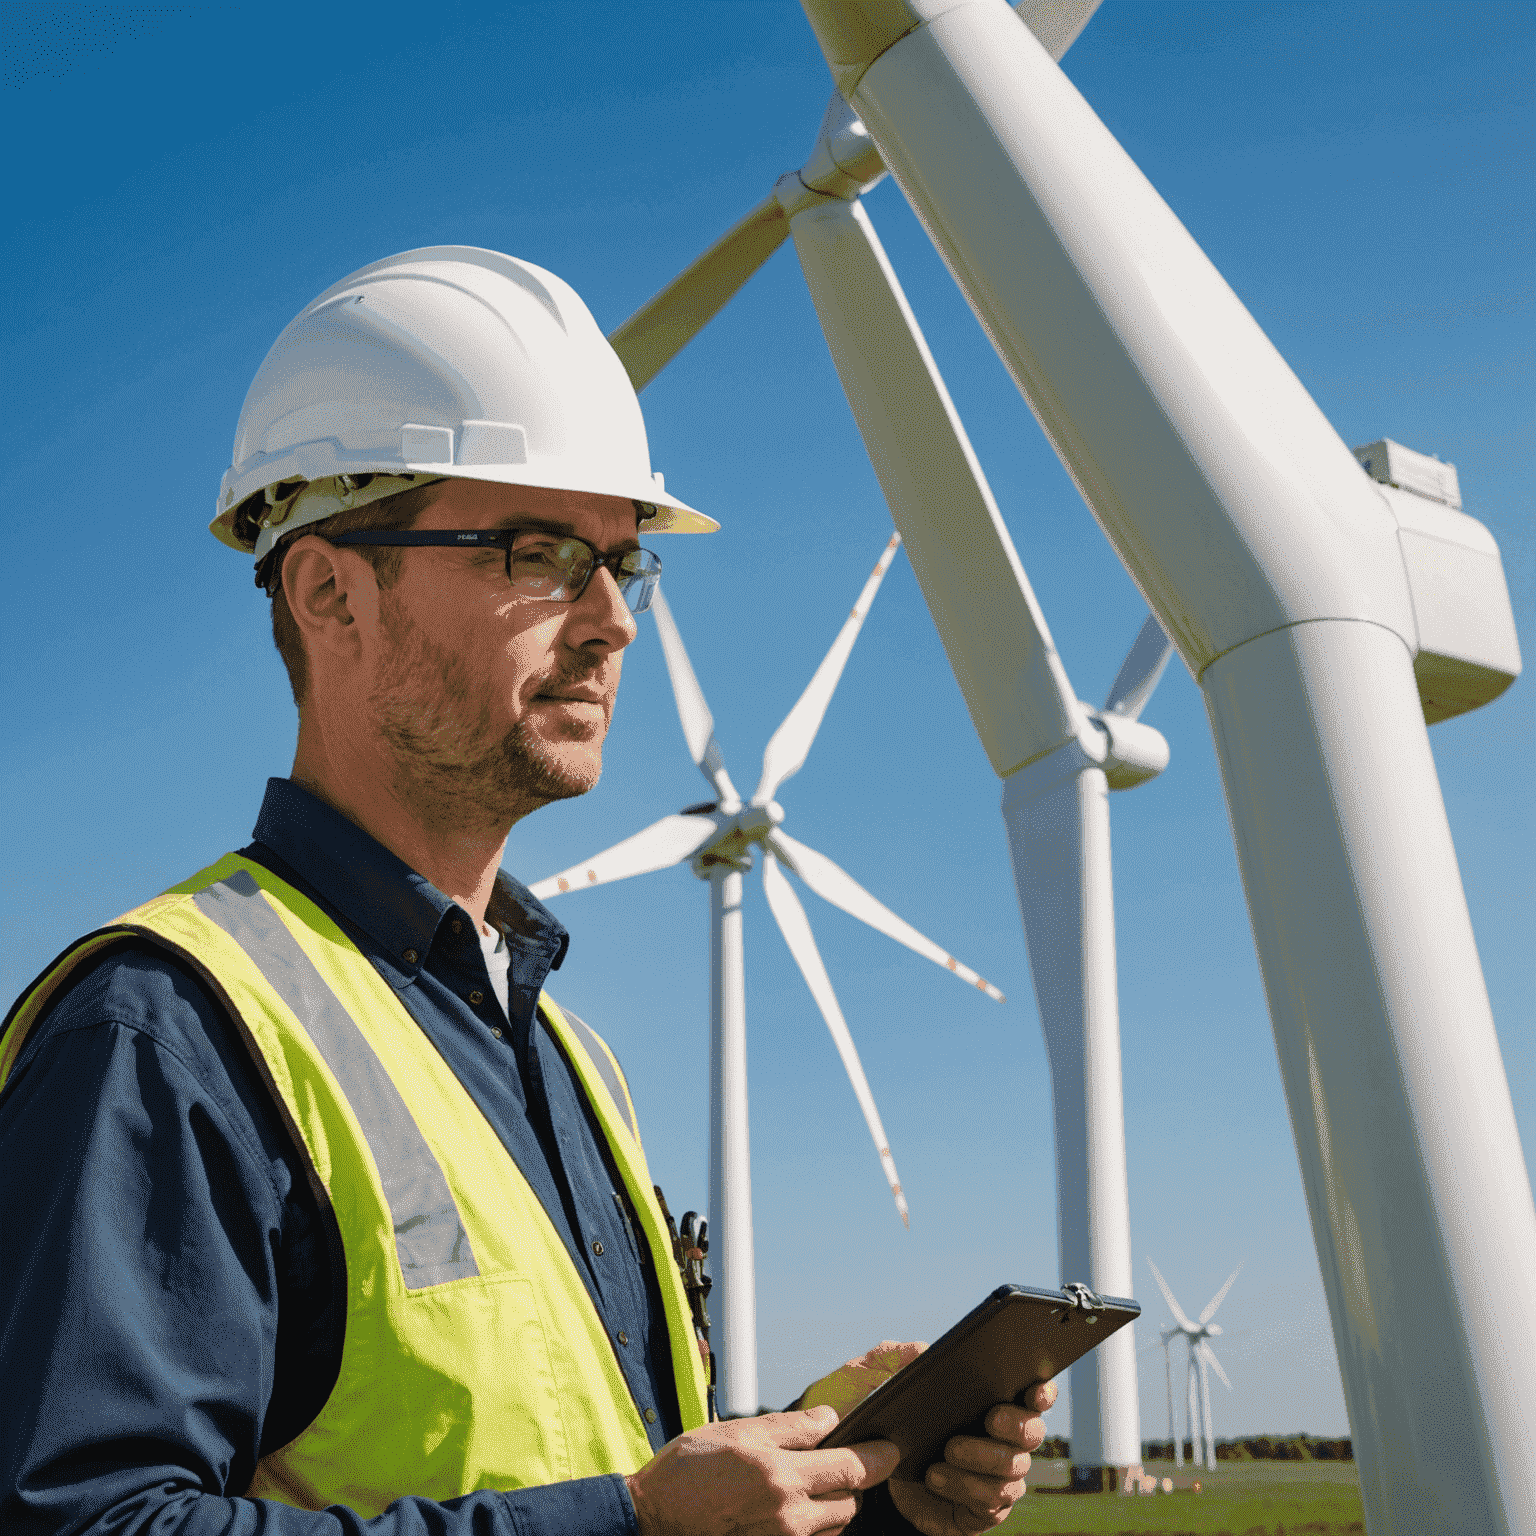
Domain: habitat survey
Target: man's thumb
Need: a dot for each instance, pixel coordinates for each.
(802, 1429)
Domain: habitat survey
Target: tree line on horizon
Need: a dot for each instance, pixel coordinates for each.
(1298, 1447)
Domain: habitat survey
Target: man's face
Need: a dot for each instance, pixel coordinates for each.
(494, 704)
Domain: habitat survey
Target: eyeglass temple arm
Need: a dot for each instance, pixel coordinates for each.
(447, 538)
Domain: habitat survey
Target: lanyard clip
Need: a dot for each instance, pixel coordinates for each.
(690, 1248)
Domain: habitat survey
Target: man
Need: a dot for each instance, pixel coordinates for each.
(320, 1215)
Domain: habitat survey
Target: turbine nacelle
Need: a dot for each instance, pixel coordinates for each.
(1194, 1332)
(736, 836)
(1133, 752)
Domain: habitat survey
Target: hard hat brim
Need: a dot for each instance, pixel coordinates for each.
(668, 514)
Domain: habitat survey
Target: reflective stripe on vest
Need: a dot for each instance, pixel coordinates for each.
(607, 1067)
(429, 1236)
(473, 1355)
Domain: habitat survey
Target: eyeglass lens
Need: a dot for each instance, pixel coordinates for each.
(542, 565)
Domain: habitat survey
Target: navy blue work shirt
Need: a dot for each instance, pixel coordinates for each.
(172, 1302)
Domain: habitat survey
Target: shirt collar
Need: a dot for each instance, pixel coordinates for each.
(368, 885)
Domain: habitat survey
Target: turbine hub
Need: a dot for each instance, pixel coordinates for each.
(756, 822)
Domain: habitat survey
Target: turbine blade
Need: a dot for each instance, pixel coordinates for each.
(790, 745)
(662, 844)
(659, 330)
(1220, 1296)
(1140, 672)
(993, 630)
(1209, 1355)
(796, 928)
(1173, 1306)
(842, 890)
(1056, 22)
(698, 723)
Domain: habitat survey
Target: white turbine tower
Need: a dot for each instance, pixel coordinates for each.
(1202, 1360)
(720, 835)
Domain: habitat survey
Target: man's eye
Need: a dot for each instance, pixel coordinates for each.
(537, 554)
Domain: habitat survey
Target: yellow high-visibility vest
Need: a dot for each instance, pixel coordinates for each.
(473, 1355)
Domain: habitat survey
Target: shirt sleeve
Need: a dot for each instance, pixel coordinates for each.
(139, 1306)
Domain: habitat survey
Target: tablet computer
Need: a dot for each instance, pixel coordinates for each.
(995, 1354)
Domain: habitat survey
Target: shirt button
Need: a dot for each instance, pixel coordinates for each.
(456, 926)
(597, 1248)
(476, 998)
(497, 1033)
(650, 1415)
(623, 1337)
(411, 957)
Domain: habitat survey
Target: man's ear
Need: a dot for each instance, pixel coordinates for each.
(333, 596)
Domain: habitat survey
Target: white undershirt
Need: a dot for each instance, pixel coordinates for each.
(498, 961)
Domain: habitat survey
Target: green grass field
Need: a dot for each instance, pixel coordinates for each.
(1240, 1498)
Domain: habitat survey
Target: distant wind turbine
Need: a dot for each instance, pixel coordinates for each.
(1167, 1336)
(719, 836)
(1198, 1336)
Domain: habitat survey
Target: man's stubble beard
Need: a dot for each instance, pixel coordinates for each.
(452, 767)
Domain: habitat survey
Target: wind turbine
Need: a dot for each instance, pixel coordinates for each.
(1057, 813)
(1057, 756)
(1202, 1360)
(1166, 1338)
(1325, 617)
(720, 837)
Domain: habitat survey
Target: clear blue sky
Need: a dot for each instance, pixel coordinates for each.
(183, 179)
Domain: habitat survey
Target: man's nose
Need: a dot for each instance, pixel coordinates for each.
(601, 609)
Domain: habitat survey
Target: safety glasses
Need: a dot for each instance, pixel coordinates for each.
(550, 566)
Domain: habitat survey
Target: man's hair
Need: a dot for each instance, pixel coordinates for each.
(392, 513)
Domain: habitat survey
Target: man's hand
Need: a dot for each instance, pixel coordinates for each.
(758, 1477)
(978, 1481)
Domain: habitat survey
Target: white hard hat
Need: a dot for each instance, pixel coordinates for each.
(442, 362)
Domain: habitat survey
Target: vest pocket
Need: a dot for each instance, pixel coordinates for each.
(481, 1384)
